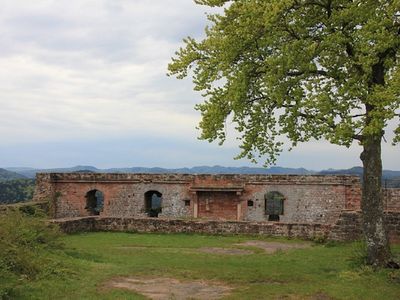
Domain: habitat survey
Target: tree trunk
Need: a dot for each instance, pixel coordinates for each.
(378, 251)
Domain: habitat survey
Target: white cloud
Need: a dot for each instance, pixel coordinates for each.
(95, 70)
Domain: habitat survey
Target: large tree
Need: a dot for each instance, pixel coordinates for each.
(302, 69)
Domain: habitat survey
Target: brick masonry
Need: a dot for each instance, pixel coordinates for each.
(391, 199)
(346, 228)
(147, 225)
(318, 199)
(214, 203)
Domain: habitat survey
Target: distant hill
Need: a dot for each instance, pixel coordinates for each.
(359, 171)
(29, 172)
(215, 170)
(10, 175)
(390, 178)
(352, 171)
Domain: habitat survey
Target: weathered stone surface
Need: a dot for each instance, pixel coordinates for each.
(147, 225)
(348, 226)
(314, 206)
(27, 207)
(317, 199)
(391, 199)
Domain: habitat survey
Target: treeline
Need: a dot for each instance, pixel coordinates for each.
(18, 190)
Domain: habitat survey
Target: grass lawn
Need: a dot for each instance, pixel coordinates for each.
(316, 272)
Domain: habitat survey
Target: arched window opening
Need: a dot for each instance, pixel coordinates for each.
(153, 201)
(94, 202)
(274, 205)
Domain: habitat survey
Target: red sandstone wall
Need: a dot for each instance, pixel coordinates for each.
(303, 202)
(391, 199)
(353, 197)
(43, 188)
(218, 205)
(124, 200)
(318, 199)
(308, 199)
(305, 231)
(347, 228)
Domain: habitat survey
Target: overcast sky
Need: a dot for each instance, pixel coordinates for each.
(84, 82)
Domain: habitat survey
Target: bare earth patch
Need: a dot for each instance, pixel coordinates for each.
(152, 248)
(318, 296)
(231, 251)
(321, 296)
(272, 247)
(169, 288)
(132, 247)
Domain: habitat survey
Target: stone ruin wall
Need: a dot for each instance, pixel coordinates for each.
(391, 199)
(123, 193)
(346, 228)
(314, 206)
(308, 199)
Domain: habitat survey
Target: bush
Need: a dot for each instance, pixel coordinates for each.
(26, 245)
(359, 254)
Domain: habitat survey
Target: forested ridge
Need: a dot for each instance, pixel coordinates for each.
(17, 190)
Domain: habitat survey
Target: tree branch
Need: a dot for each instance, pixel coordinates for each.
(315, 72)
(356, 116)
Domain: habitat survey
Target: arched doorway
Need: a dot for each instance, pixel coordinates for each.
(152, 203)
(94, 202)
(274, 205)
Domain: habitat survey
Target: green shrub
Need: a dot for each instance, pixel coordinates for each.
(359, 254)
(26, 245)
(320, 239)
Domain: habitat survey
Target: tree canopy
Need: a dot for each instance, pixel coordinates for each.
(302, 69)
(296, 68)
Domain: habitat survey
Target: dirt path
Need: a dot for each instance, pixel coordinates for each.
(272, 247)
(169, 288)
(229, 251)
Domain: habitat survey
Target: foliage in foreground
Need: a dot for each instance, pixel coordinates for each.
(37, 263)
(27, 245)
(323, 271)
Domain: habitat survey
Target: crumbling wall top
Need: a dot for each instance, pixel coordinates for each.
(199, 178)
